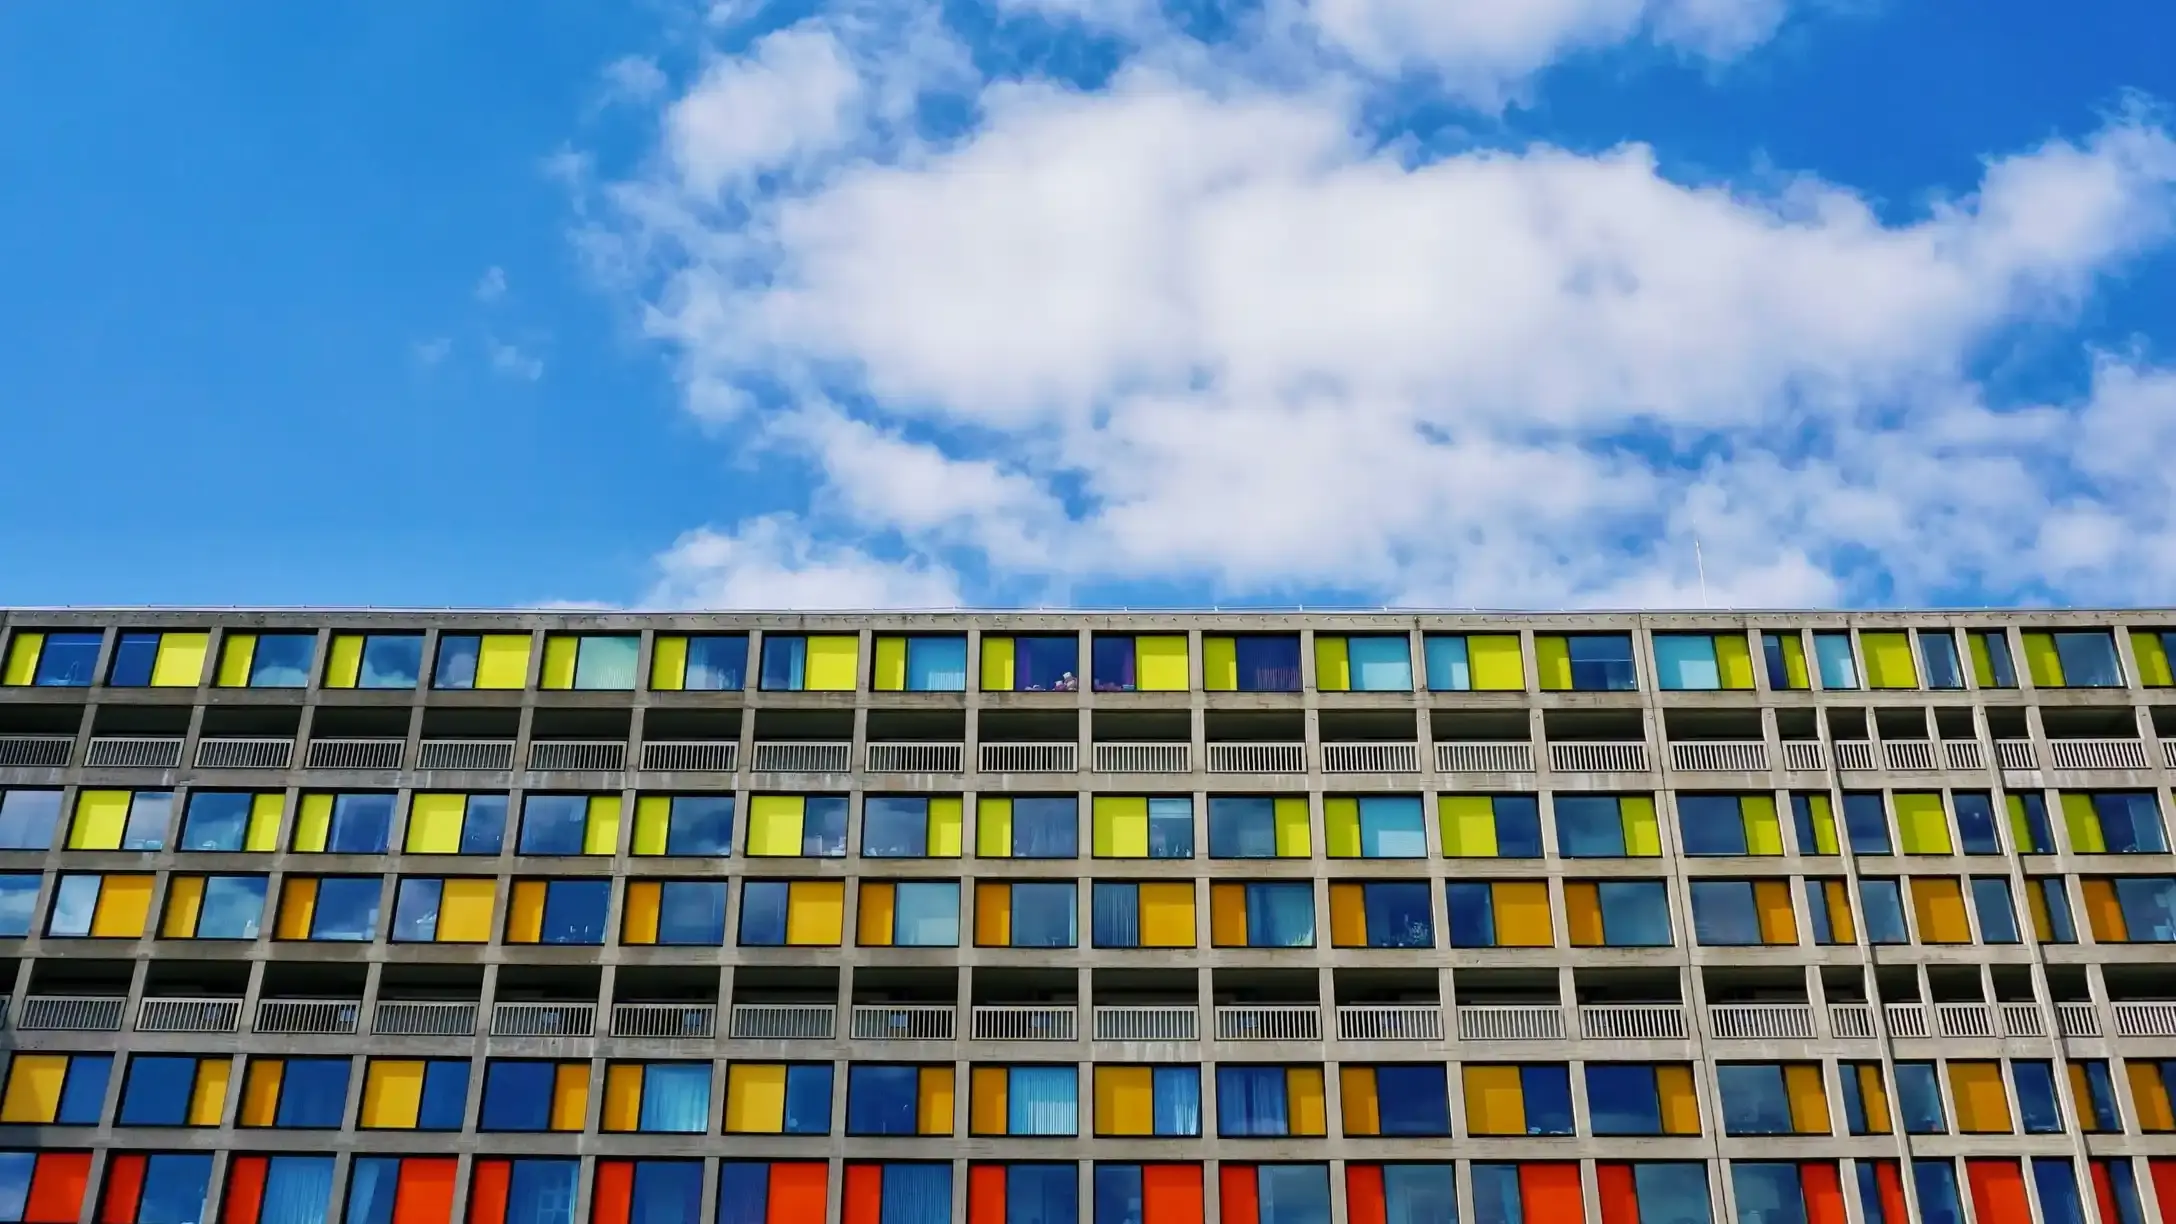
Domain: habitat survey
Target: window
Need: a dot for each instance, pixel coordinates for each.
(1991, 905)
(1785, 655)
(120, 820)
(2151, 647)
(1147, 662)
(1938, 655)
(1023, 1193)
(141, 1188)
(532, 1095)
(1033, 826)
(1141, 1193)
(1776, 1190)
(1406, 1193)
(341, 909)
(1275, 914)
(1607, 826)
(1888, 660)
(1866, 823)
(1505, 1193)
(898, 1099)
(910, 826)
(2049, 905)
(1031, 663)
(1881, 1192)
(2055, 1183)
(1938, 907)
(1976, 822)
(568, 825)
(2029, 823)
(705, 663)
(1363, 663)
(1992, 667)
(1729, 825)
(294, 1093)
(675, 913)
(1832, 655)
(909, 914)
(1585, 662)
(390, 1189)
(18, 903)
(2072, 659)
(1024, 1101)
(28, 819)
(428, 1094)
(174, 1090)
(1866, 1099)
(1922, 825)
(597, 662)
(684, 826)
(897, 1192)
(1027, 914)
(815, 663)
(1258, 826)
(1489, 826)
(1983, 1104)
(1657, 1190)
(2116, 1189)
(55, 1089)
(1813, 823)
(1617, 913)
(158, 660)
(1375, 826)
(1505, 914)
(232, 821)
(278, 1190)
(375, 661)
(1381, 914)
(1474, 662)
(2113, 822)
(563, 912)
(1139, 826)
(2034, 1082)
(778, 1099)
(1274, 1193)
(1257, 1102)
(1743, 913)
(1518, 1098)
(213, 907)
(1161, 1102)
(441, 823)
(1829, 906)
(920, 663)
(1395, 1100)
(353, 823)
(659, 1098)
(1255, 663)
(1771, 1099)
(1998, 1192)
(1919, 1099)
(99, 907)
(265, 660)
(1144, 915)
(482, 661)
(432, 910)
(2150, 1082)
(51, 659)
(1701, 662)
(2093, 1097)
(797, 826)
(800, 914)
(1882, 903)
(2129, 909)
(518, 1191)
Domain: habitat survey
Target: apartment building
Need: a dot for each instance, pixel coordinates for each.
(524, 918)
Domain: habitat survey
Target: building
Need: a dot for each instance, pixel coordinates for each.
(407, 918)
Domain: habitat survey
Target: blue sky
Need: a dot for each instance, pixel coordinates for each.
(997, 302)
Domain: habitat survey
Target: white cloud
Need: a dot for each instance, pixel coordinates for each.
(772, 562)
(634, 78)
(429, 353)
(791, 96)
(491, 286)
(512, 361)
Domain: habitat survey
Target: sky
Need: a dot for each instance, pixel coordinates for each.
(1048, 303)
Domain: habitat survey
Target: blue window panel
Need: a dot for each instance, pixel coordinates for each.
(1250, 1102)
(1175, 1101)
(1042, 1194)
(232, 907)
(483, 824)
(717, 663)
(1115, 907)
(2130, 822)
(1044, 915)
(808, 1099)
(1449, 670)
(177, 1189)
(1753, 1099)
(75, 900)
(445, 1094)
(1280, 915)
(148, 815)
(1420, 1194)
(1934, 1184)
(823, 826)
(894, 826)
(937, 664)
(1045, 826)
(1472, 912)
(158, 1089)
(347, 909)
(215, 820)
(1589, 826)
(1771, 649)
(83, 1092)
(2055, 1181)
(1711, 824)
(1686, 662)
(18, 904)
(667, 1190)
(542, 1191)
(1938, 659)
(297, 1190)
(1601, 662)
(1171, 828)
(415, 911)
(1112, 658)
(1998, 918)
(1518, 826)
(2036, 1101)
(1042, 1101)
(691, 913)
(1412, 1099)
(1767, 1192)
(1380, 663)
(1622, 1099)
(1293, 1193)
(785, 664)
(1866, 822)
(457, 661)
(2101, 1096)
(1496, 1198)
(1976, 829)
(553, 824)
(68, 660)
(574, 911)
(313, 1092)
(1635, 913)
(1832, 658)
(517, 1096)
(28, 819)
(881, 1099)
(699, 825)
(361, 824)
(1548, 1093)
(373, 1185)
(2088, 659)
(1267, 663)
(1393, 826)
(1724, 914)
(1046, 663)
(395, 661)
(1398, 915)
(133, 658)
(926, 914)
(763, 914)
(16, 1169)
(1882, 904)
(675, 1099)
(2123, 1192)
(2149, 908)
(1676, 1192)
(1919, 1098)
(916, 1194)
(282, 660)
(1119, 1197)
(1240, 826)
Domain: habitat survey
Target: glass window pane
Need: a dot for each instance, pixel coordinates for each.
(1046, 663)
(1752, 1099)
(717, 663)
(1686, 661)
(215, 820)
(282, 660)
(1883, 904)
(1602, 662)
(1449, 668)
(1723, 913)
(1380, 663)
(395, 661)
(1268, 663)
(937, 664)
(133, 658)
(894, 826)
(700, 825)
(1046, 826)
(2088, 659)
(347, 909)
(1938, 658)
(606, 663)
(68, 660)
(1832, 654)
(457, 656)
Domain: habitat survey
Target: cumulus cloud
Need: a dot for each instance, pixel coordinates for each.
(773, 563)
(1196, 329)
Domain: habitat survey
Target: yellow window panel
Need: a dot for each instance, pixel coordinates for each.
(208, 1097)
(1552, 662)
(298, 905)
(993, 915)
(314, 824)
(1778, 925)
(1522, 914)
(1159, 663)
(755, 1099)
(560, 655)
(180, 661)
(124, 904)
(2103, 912)
(945, 820)
(1469, 826)
(101, 816)
(1983, 1107)
(993, 827)
(1305, 1104)
(1680, 1104)
(344, 661)
(2083, 824)
(1642, 828)
(833, 663)
(34, 1087)
(874, 920)
(1356, 1092)
(1228, 915)
(1293, 838)
(815, 913)
(184, 901)
(934, 1115)
(1121, 826)
(668, 663)
(1125, 1101)
(1333, 663)
(1763, 832)
(1495, 663)
(261, 1092)
(1795, 675)
(774, 826)
(1889, 660)
(889, 675)
(525, 914)
(392, 1094)
(986, 1100)
(236, 652)
(22, 662)
(464, 911)
(1873, 1096)
(502, 661)
(1219, 663)
(1167, 915)
(2152, 656)
(1824, 826)
(2149, 1094)
(998, 664)
(1495, 1100)
(2041, 662)
(1840, 925)
(1939, 906)
(570, 1097)
(640, 924)
(1734, 660)
(653, 821)
(1809, 1104)
(1922, 823)
(622, 1098)
(601, 835)
(1583, 915)
(434, 823)
(263, 836)
(1348, 917)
